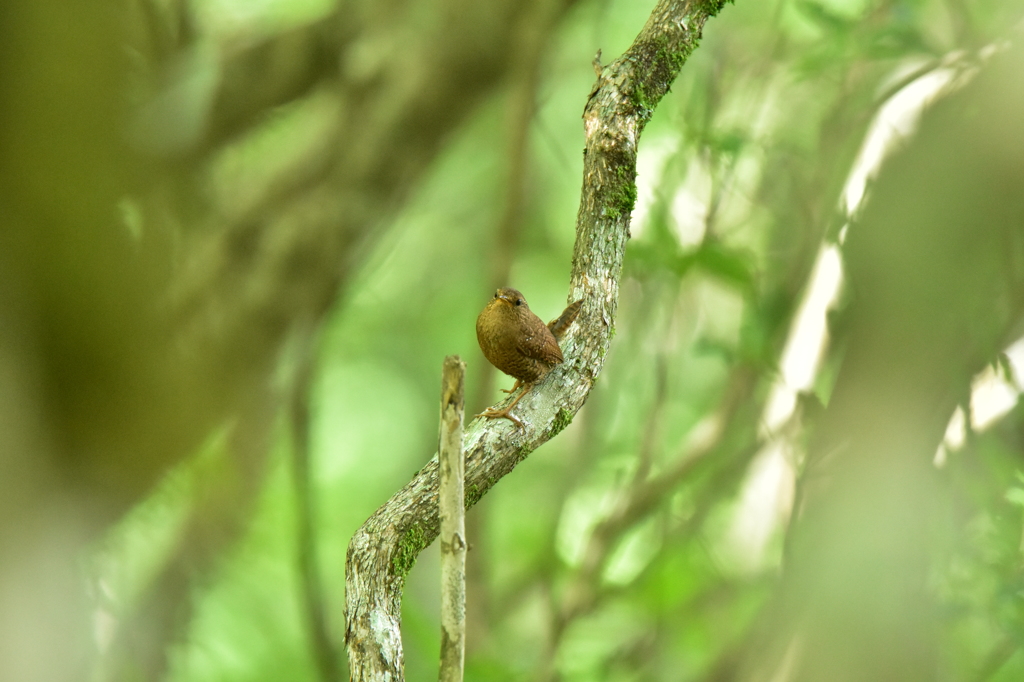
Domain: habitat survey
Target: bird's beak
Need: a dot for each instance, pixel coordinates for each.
(506, 300)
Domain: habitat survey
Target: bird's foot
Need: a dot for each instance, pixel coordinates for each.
(491, 413)
(513, 389)
(506, 412)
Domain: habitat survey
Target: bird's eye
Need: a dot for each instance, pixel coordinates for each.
(495, 294)
(519, 301)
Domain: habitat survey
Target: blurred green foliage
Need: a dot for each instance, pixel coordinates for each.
(739, 178)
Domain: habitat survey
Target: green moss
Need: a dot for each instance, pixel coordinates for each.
(523, 452)
(562, 419)
(628, 198)
(642, 100)
(677, 59)
(623, 200)
(673, 60)
(475, 492)
(413, 542)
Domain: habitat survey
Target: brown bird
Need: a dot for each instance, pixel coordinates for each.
(518, 343)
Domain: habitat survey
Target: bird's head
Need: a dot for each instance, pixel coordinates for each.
(509, 300)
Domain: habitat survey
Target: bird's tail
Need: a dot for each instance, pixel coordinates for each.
(561, 324)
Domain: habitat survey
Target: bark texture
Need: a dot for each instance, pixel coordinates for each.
(384, 549)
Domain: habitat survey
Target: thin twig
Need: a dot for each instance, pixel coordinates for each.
(453, 521)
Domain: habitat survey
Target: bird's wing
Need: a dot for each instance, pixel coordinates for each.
(540, 345)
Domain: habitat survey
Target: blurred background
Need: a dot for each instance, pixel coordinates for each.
(239, 238)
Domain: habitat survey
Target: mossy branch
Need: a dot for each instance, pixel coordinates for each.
(383, 550)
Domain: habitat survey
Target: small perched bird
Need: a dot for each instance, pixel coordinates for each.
(518, 343)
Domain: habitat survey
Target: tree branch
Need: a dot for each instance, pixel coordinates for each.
(383, 551)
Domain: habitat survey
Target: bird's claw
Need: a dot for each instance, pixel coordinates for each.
(506, 412)
(491, 413)
(512, 390)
